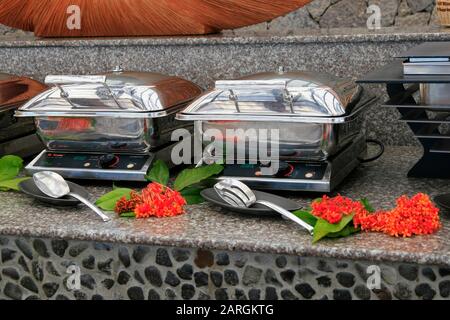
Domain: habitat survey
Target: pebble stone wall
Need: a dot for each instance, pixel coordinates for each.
(33, 268)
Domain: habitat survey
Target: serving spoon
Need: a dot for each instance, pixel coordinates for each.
(238, 194)
(53, 185)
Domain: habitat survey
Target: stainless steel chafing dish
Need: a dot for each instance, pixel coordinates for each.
(116, 112)
(316, 114)
(17, 135)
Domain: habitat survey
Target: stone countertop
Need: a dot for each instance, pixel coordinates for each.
(430, 33)
(206, 226)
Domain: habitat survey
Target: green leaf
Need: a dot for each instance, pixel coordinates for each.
(347, 231)
(189, 177)
(128, 215)
(367, 205)
(12, 184)
(10, 167)
(108, 201)
(324, 228)
(159, 173)
(306, 216)
(192, 195)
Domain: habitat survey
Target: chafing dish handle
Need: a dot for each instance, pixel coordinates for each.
(250, 84)
(62, 80)
(59, 81)
(233, 86)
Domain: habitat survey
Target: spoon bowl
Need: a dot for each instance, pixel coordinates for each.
(240, 195)
(53, 185)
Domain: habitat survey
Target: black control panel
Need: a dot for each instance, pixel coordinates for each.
(287, 170)
(92, 161)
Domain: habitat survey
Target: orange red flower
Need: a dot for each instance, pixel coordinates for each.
(125, 205)
(334, 209)
(412, 216)
(155, 200)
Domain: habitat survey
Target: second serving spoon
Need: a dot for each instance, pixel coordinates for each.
(238, 194)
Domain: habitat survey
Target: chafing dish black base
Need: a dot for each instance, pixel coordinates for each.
(98, 166)
(302, 176)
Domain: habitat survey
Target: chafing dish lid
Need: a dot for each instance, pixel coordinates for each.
(16, 90)
(273, 95)
(116, 92)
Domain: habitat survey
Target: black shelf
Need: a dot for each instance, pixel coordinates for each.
(441, 147)
(435, 162)
(393, 74)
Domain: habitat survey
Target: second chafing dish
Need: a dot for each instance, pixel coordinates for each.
(316, 114)
(116, 112)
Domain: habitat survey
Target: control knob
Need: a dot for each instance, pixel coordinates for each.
(108, 160)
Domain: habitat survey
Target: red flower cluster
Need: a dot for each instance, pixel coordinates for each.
(125, 205)
(412, 216)
(334, 209)
(155, 200)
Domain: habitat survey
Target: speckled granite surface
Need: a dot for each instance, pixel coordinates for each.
(419, 33)
(203, 59)
(205, 226)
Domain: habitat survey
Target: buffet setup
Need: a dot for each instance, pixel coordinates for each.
(219, 166)
(280, 131)
(119, 126)
(114, 126)
(101, 174)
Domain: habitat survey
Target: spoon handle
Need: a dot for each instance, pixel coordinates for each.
(94, 208)
(287, 214)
